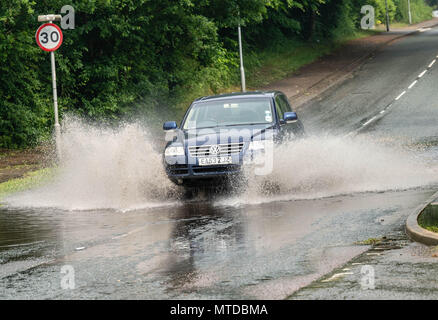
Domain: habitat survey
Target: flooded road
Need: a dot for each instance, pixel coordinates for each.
(112, 220)
(194, 250)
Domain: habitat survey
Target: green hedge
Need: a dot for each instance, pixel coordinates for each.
(131, 58)
(420, 11)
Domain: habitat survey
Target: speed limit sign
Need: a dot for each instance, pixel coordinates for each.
(49, 37)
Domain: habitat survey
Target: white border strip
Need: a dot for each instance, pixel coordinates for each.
(422, 74)
(401, 95)
(413, 84)
(369, 121)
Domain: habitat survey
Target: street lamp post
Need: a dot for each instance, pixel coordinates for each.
(387, 16)
(49, 18)
(242, 70)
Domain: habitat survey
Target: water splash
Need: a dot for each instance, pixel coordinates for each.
(121, 169)
(319, 167)
(104, 168)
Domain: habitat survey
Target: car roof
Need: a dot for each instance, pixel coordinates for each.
(240, 95)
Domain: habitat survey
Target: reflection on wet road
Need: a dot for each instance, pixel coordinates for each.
(195, 250)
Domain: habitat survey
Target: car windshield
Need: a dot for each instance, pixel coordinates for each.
(229, 113)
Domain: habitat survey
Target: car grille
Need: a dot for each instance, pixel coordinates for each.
(216, 169)
(224, 150)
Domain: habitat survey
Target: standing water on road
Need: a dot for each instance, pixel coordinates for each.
(220, 248)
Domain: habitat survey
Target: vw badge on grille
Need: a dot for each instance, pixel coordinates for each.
(214, 150)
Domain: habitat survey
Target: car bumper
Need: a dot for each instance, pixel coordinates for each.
(183, 172)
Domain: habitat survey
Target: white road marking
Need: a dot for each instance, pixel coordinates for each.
(120, 236)
(337, 275)
(412, 84)
(369, 121)
(401, 95)
(383, 111)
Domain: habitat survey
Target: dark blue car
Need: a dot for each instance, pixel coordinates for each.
(221, 133)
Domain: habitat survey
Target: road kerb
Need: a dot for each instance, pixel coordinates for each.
(417, 233)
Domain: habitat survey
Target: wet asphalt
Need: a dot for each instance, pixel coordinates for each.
(208, 248)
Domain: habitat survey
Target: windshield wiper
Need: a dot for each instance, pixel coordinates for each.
(231, 125)
(244, 124)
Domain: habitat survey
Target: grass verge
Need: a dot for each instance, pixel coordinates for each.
(369, 242)
(281, 60)
(30, 180)
(428, 219)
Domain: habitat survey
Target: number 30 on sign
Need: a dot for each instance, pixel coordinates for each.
(49, 37)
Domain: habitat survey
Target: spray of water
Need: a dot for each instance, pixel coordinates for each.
(326, 166)
(104, 168)
(120, 169)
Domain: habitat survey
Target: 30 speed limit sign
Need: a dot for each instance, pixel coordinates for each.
(49, 37)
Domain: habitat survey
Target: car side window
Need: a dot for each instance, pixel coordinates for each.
(278, 108)
(285, 106)
(281, 105)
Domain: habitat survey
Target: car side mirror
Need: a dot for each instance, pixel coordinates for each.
(290, 117)
(170, 125)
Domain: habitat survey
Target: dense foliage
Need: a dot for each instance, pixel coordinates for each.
(130, 57)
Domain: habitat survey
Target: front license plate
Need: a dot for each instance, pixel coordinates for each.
(214, 161)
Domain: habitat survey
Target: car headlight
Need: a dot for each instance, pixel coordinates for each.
(174, 151)
(257, 145)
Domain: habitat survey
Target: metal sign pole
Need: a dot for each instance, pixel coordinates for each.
(55, 107)
(50, 40)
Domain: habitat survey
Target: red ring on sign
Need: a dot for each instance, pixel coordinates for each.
(38, 32)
